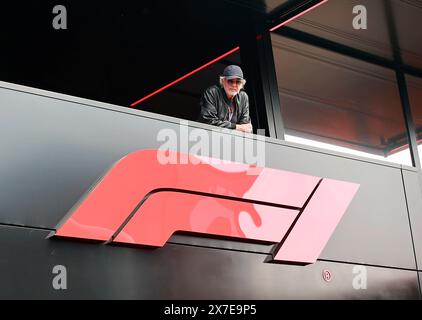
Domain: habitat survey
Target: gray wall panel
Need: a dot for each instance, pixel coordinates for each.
(96, 271)
(53, 150)
(420, 282)
(375, 228)
(414, 199)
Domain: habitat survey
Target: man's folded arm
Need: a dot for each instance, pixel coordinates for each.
(244, 117)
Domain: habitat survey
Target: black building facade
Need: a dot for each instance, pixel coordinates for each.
(74, 101)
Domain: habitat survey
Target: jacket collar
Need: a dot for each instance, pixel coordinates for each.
(235, 99)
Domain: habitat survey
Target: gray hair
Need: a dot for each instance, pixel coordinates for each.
(241, 85)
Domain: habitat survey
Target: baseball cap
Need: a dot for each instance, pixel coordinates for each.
(232, 71)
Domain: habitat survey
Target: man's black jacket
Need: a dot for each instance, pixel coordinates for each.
(215, 104)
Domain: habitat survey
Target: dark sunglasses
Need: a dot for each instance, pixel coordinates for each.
(234, 81)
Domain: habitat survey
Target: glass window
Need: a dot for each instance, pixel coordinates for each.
(181, 100)
(414, 87)
(333, 21)
(333, 101)
(407, 15)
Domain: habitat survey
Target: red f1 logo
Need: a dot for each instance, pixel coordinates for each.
(140, 201)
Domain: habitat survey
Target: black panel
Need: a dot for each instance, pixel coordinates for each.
(97, 271)
(116, 52)
(420, 281)
(375, 227)
(414, 201)
(57, 149)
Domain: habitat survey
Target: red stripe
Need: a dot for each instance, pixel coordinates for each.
(218, 58)
(297, 16)
(185, 76)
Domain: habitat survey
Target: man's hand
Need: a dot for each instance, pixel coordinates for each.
(247, 127)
